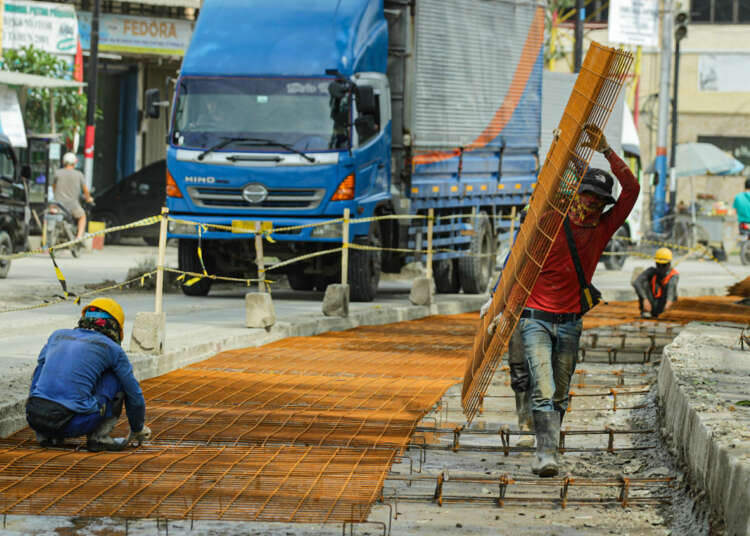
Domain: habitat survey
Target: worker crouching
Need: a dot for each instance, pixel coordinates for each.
(656, 286)
(81, 381)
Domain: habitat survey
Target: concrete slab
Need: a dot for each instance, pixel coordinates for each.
(703, 375)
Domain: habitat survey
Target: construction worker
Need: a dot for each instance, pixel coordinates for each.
(82, 379)
(68, 184)
(551, 323)
(656, 286)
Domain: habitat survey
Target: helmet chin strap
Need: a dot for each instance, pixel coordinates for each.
(582, 215)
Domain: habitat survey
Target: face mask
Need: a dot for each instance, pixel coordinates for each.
(582, 215)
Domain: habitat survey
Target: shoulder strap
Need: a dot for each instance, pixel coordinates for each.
(574, 253)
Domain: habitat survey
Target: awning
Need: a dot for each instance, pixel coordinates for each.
(172, 3)
(14, 78)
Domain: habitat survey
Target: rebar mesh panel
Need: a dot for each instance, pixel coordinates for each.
(295, 484)
(304, 430)
(591, 101)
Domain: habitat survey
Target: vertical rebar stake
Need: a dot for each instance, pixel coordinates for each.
(345, 248)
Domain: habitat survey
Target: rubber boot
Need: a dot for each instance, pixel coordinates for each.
(525, 420)
(547, 426)
(100, 439)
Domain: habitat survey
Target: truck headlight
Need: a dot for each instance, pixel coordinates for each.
(328, 230)
(176, 227)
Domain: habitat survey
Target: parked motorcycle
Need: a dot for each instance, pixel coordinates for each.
(61, 227)
(745, 243)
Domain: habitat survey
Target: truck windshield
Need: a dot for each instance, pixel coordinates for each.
(299, 113)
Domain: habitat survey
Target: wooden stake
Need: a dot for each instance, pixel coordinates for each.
(430, 219)
(345, 246)
(259, 257)
(160, 262)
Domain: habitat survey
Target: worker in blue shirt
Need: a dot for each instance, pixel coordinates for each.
(81, 381)
(742, 204)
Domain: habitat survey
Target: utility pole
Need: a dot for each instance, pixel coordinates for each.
(680, 32)
(659, 206)
(578, 53)
(88, 147)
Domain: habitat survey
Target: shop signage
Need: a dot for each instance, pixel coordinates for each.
(137, 35)
(11, 119)
(50, 27)
(634, 22)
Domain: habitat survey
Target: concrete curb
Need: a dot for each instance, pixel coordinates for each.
(715, 463)
(145, 366)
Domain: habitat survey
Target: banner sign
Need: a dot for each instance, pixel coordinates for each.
(634, 22)
(723, 72)
(50, 27)
(11, 119)
(137, 35)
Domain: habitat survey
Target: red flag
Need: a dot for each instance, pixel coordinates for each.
(78, 65)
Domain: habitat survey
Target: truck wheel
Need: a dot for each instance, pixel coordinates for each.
(745, 252)
(445, 272)
(364, 267)
(187, 260)
(299, 280)
(475, 268)
(6, 248)
(616, 253)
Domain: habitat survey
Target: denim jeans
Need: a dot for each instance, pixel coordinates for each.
(551, 352)
(105, 392)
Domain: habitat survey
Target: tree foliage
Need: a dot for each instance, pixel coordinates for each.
(70, 106)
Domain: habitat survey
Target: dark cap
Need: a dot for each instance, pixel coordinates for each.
(599, 182)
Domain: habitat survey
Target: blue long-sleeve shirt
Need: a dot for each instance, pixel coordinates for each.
(70, 365)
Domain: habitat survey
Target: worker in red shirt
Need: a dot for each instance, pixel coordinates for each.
(550, 325)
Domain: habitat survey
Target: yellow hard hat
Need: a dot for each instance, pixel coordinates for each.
(663, 256)
(108, 305)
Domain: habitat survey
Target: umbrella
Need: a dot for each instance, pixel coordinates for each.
(703, 159)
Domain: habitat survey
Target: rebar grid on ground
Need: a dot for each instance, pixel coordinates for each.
(591, 101)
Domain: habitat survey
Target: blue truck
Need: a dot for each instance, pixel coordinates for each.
(293, 111)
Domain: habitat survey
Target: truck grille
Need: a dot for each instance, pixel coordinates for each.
(278, 198)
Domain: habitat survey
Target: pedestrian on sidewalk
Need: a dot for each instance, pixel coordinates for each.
(550, 325)
(656, 286)
(81, 381)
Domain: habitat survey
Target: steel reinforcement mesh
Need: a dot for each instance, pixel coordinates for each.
(301, 430)
(594, 94)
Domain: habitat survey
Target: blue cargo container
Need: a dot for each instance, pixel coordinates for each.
(293, 111)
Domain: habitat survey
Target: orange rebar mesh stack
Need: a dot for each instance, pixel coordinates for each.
(301, 430)
(591, 102)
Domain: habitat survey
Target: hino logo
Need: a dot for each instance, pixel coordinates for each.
(202, 180)
(254, 193)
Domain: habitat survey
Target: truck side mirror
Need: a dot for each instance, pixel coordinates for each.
(153, 103)
(366, 102)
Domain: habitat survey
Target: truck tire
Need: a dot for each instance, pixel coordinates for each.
(475, 268)
(299, 280)
(616, 250)
(6, 248)
(187, 260)
(445, 272)
(364, 267)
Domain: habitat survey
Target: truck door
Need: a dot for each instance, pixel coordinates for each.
(371, 135)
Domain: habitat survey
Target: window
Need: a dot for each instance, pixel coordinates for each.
(720, 11)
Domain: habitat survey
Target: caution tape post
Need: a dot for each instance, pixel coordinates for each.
(336, 298)
(423, 288)
(259, 310)
(150, 329)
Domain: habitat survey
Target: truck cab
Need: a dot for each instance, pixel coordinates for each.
(14, 205)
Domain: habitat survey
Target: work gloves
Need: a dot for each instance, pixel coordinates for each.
(140, 437)
(593, 133)
(483, 312)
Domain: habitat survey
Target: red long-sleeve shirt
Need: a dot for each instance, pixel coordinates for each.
(557, 289)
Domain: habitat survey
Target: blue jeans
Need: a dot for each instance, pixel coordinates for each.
(551, 352)
(105, 391)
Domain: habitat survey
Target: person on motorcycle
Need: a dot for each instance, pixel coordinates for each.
(656, 287)
(68, 184)
(81, 381)
(742, 205)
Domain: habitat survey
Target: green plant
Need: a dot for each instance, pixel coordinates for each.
(70, 105)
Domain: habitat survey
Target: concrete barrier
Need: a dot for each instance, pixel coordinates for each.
(422, 291)
(702, 376)
(259, 311)
(149, 333)
(336, 300)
